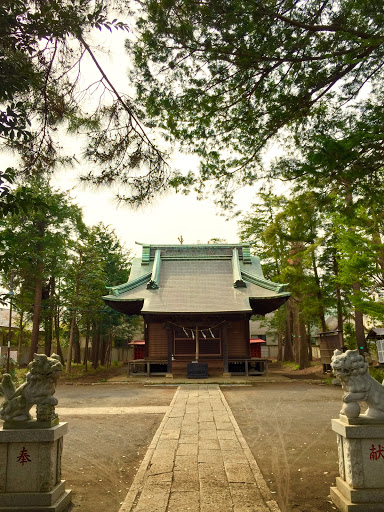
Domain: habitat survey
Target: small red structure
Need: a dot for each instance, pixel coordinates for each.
(255, 348)
(138, 349)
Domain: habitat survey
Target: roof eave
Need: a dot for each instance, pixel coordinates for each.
(264, 305)
(127, 306)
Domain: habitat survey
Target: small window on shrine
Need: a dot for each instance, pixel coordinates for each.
(181, 333)
(184, 342)
(209, 341)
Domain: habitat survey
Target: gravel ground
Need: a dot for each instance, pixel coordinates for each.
(286, 425)
(288, 429)
(102, 453)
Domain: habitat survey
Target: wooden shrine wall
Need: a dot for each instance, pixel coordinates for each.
(238, 338)
(158, 341)
(237, 335)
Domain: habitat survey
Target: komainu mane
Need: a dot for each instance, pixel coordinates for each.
(352, 371)
(37, 390)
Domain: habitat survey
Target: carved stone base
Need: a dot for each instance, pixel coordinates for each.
(348, 499)
(30, 470)
(361, 464)
(55, 501)
(12, 424)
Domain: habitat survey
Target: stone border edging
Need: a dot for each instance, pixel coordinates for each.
(136, 486)
(264, 489)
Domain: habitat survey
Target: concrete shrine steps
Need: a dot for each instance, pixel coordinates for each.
(177, 380)
(215, 367)
(199, 461)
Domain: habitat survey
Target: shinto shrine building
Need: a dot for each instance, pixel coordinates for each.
(196, 302)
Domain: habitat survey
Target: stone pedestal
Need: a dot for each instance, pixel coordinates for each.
(360, 487)
(30, 470)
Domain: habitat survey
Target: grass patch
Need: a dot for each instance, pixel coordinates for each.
(285, 364)
(17, 374)
(328, 381)
(77, 371)
(377, 373)
(288, 364)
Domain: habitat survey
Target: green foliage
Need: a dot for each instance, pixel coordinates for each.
(225, 78)
(45, 225)
(44, 94)
(350, 336)
(377, 373)
(13, 201)
(78, 372)
(341, 160)
(49, 243)
(287, 235)
(97, 260)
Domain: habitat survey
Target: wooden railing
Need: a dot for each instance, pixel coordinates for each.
(236, 366)
(254, 366)
(143, 367)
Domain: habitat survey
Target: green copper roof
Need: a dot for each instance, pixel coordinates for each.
(196, 279)
(195, 252)
(237, 279)
(154, 282)
(265, 283)
(130, 285)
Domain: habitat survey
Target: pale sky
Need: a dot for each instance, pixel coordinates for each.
(163, 221)
(166, 218)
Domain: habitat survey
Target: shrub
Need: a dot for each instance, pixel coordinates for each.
(377, 373)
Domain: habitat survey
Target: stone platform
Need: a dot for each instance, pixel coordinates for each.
(360, 487)
(199, 461)
(30, 470)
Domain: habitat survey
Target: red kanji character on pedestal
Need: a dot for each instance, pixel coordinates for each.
(380, 452)
(23, 457)
(374, 455)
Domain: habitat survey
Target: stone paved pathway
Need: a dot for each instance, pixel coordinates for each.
(199, 461)
(101, 411)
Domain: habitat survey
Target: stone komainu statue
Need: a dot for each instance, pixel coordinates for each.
(352, 370)
(38, 390)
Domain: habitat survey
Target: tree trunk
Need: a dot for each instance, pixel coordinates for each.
(309, 343)
(87, 335)
(36, 310)
(359, 325)
(340, 318)
(56, 320)
(59, 351)
(40, 229)
(108, 352)
(288, 349)
(295, 332)
(76, 345)
(20, 337)
(95, 347)
(279, 345)
(303, 343)
(48, 336)
(319, 294)
(69, 355)
(103, 348)
(376, 239)
(51, 319)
